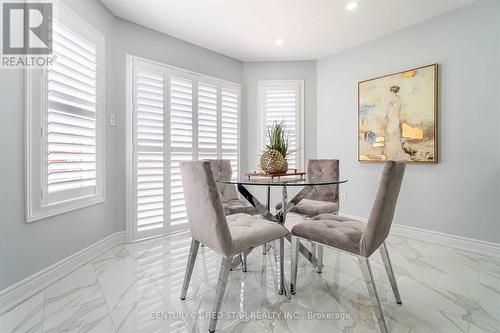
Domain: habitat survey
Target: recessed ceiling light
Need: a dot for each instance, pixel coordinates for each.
(351, 5)
(279, 41)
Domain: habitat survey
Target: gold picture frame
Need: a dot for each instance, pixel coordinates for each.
(397, 116)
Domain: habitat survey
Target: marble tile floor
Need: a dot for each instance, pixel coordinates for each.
(136, 288)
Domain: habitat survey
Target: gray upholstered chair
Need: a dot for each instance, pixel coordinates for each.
(209, 226)
(322, 199)
(231, 202)
(356, 237)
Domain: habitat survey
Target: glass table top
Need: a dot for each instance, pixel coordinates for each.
(282, 181)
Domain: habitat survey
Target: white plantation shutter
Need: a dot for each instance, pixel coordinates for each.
(149, 143)
(207, 121)
(176, 116)
(281, 102)
(230, 126)
(181, 142)
(71, 120)
(65, 121)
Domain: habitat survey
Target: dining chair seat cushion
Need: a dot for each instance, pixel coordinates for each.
(236, 206)
(234, 217)
(333, 230)
(248, 231)
(310, 208)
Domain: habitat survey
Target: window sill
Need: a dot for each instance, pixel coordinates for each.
(33, 215)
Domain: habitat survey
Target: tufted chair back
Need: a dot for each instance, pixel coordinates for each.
(382, 213)
(222, 170)
(324, 167)
(206, 217)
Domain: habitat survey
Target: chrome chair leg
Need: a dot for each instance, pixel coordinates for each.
(319, 269)
(282, 267)
(390, 273)
(244, 262)
(366, 269)
(283, 289)
(264, 248)
(221, 289)
(295, 264)
(193, 251)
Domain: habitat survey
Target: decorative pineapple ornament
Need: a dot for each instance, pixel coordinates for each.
(272, 161)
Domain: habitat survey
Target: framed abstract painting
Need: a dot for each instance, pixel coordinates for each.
(397, 116)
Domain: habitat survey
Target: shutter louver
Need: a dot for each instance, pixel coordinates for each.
(230, 123)
(181, 143)
(71, 161)
(150, 144)
(280, 105)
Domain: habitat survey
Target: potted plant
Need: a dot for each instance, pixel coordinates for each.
(273, 160)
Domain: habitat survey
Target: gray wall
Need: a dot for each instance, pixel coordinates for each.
(459, 195)
(28, 248)
(288, 70)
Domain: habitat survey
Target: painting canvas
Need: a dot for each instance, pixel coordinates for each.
(397, 116)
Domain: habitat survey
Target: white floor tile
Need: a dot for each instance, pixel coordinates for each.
(26, 317)
(74, 290)
(89, 317)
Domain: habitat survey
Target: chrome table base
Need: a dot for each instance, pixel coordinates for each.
(280, 217)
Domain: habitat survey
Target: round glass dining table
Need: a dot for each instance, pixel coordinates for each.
(306, 182)
(282, 180)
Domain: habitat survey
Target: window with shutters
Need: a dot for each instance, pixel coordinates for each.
(282, 101)
(176, 115)
(65, 130)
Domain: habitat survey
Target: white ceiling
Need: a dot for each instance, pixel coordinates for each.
(247, 29)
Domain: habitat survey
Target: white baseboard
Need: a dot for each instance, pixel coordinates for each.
(463, 243)
(24, 289)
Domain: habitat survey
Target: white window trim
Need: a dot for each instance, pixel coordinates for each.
(130, 173)
(261, 84)
(35, 102)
